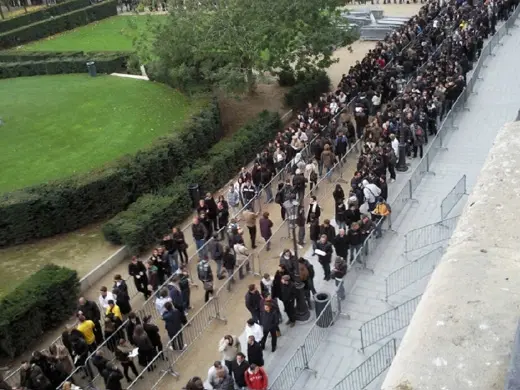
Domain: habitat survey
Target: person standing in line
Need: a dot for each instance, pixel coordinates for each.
(212, 373)
(123, 351)
(288, 298)
(314, 234)
(205, 275)
(86, 327)
(269, 323)
(174, 321)
(256, 378)
(137, 270)
(341, 244)
(200, 233)
(152, 331)
(314, 210)
(233, 199)
(239, 368)
(104, 297)
(112, 377)
(338, 272)
(300, 222)
(229, 346)
(255, 352)
(91, 312)
(252, 300)
(324, 255)
(266, 232)
(253, 329)
(250, 220)
(182, 246)
(229, 263)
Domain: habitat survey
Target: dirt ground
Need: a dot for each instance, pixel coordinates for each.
(203, 351)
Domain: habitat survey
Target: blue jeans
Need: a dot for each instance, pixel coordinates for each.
(173, 259)
(301, 234)
(199, 244)
(354, 250)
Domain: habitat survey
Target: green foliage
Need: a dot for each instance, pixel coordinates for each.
(65, 205)
(226, 47)
(38, 304)
(105, 63)
(43, 14)
(286, 77)
(58, 24)
(153, 214)
(308, 88)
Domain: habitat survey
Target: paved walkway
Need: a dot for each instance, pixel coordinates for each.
(496, 103)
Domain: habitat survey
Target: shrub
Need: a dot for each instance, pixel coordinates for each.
(308, 89)
(38, 304)
(105, 63)
(65, 205)
(43, 14)
(286, 77)
(153, 214)
(58, 24)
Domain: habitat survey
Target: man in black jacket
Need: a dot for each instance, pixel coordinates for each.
(269, 322)
(253, 299)
(325, 248)
(288, 297)
(341, 244)
(91, 312)
(32, 377)
(137, 270)
(239, 367)
(199, 232)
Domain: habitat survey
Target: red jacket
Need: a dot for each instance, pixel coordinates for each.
(256, 381)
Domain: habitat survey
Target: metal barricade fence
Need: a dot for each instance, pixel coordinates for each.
(429, 234)
(419, 173)
(387, 323)
(453, 197)
(299, 362)
(412, 272)
(364, 374)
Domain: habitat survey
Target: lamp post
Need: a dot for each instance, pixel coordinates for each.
(302, 310)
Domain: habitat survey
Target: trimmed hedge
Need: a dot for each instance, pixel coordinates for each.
(104, 64)
(60, 23)
(153, 214)
(43, 14)
(38, 304)
(309, 88)
(65, 205)
(23, 56)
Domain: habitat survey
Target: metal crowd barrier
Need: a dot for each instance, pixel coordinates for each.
(387, 323)
(429, 234)
(453, 197)
(412, 272)
(299, 362)
(364, 374)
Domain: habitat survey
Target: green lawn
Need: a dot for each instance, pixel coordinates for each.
(112, 34)
(55, 126)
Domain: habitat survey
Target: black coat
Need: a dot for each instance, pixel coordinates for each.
(341, 245)
(91, 311)
(255, 354)
(173, 322)
(269, 321)
(327, 248)
(240, 370)
(130, 327)
(152, 331)
(253, 301)
(288, 292)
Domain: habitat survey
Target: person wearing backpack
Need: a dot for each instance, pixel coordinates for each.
(418, 140)
(371, 193)
(206, 277)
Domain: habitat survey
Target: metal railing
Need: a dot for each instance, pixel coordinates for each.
(453, 197)
(364, 374)
(412, 272)
(299, 362)
(388, 323)
(430, 234)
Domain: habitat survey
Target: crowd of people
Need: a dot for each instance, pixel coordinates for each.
(401, 91)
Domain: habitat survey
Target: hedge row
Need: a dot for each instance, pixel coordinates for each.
(43, 14)
(58, 24)
(65, 205)
(308, 88)
(104, 64)
(153, 214)
(25, 56)
(40, 303)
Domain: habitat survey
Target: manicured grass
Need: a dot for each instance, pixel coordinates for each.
(112, 34)
(55, 126)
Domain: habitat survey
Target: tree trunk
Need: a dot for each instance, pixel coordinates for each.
(251, 82)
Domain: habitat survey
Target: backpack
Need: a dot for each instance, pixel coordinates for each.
(418, 131)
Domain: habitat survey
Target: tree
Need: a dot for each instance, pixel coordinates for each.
(226, 46)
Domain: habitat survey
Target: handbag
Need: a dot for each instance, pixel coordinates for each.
(208, 286)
